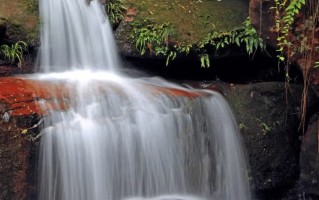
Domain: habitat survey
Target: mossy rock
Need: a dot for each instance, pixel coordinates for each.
(192, 19)
(19, 22)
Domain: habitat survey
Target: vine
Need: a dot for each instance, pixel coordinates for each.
(303, 43)
(284, 18)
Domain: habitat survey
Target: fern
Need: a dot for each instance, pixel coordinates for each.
(152, 38)
(115, 11)
(14, 53)
(245, 36)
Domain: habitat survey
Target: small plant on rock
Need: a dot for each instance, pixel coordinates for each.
(151, 37)
(115, 11)
(14, 53)
(245, 35)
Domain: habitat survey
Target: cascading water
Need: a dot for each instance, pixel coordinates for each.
(75, 35)
(125, 138)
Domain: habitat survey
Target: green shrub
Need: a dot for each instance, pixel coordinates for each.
(14, 53)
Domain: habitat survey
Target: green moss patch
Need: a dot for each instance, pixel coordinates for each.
(193, 19)
(22, 23)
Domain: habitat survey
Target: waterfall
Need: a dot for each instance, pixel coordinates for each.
(75, 36)
(128, 138)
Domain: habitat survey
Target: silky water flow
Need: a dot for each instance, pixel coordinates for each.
(126, 138)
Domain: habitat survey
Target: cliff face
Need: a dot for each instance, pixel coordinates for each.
(303, 51)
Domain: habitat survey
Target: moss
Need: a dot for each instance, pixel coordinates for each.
(21, 23)
(193, 19)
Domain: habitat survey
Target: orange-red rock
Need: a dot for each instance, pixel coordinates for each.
(22, 97)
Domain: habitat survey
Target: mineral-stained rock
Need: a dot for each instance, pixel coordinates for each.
(309, 158)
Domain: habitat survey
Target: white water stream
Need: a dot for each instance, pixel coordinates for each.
(125, 138)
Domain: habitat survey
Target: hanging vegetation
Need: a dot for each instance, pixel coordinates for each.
(115, 10)
(156, 39)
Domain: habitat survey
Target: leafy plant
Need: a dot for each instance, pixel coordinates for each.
(115, 10)
(204, 60)
(242, 127)
(153, 38)
(14, 53)
(285, 16)
(246, 36)
(264, 127)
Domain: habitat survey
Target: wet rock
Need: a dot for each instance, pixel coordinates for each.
(269, 124)
(18, 158)
(309, 158)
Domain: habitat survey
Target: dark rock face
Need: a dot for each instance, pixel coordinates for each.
(309, 158)
(3, 29)
(269, 125)
(18, 158)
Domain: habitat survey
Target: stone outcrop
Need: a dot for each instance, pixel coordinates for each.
(268, 123)
(309, 158)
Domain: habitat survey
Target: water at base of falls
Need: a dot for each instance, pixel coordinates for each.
(125, 138)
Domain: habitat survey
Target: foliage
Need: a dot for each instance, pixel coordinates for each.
(14, 53)
(204, 60)
(152, 38)
(264, 127)
(32, 5)
(246, 36)
(242, 127)
(285, 15)
(115, 11)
